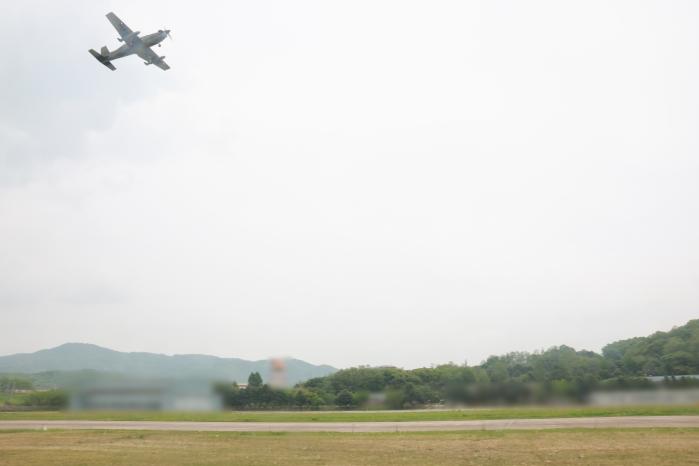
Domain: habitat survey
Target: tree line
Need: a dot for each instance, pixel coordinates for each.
(560, 373)
(19, 391)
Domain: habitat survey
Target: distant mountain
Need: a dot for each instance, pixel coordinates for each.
(75, 357)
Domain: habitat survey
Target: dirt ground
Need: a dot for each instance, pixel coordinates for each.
(563, 447)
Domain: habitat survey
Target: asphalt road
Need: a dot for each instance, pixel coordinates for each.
(505, 424)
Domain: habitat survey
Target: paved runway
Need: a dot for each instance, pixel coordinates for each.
(506, 424)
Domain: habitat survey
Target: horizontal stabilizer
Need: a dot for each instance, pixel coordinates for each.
(104, 60)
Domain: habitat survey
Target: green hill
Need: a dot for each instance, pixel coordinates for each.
(79, 357)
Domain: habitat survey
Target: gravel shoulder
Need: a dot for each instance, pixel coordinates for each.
(416, 426)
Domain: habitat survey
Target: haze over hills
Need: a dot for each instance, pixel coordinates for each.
(73, 357)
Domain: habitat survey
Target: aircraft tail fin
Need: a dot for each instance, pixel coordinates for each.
(103, 59)
(104, 52)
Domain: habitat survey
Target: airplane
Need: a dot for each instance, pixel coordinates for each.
(133, 44)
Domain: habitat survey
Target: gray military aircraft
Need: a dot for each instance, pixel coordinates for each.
(133, 44)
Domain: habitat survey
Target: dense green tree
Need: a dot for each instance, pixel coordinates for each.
(664, 353)
(11, 383)
(51, 399)
(345, 399)
(255, 380)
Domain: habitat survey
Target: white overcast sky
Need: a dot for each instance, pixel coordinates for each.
(349, 182)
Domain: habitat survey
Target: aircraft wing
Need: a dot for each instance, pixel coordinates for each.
(151, 57)
(162, 65)
(123, 30)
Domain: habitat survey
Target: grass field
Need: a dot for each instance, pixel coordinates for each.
(360, 416)
(639, 447)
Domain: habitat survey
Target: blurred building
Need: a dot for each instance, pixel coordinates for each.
(146, 395)
(661, 396)
(664, 390)
(665, 378)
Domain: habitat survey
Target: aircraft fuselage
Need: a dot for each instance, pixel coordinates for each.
(138, 44)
